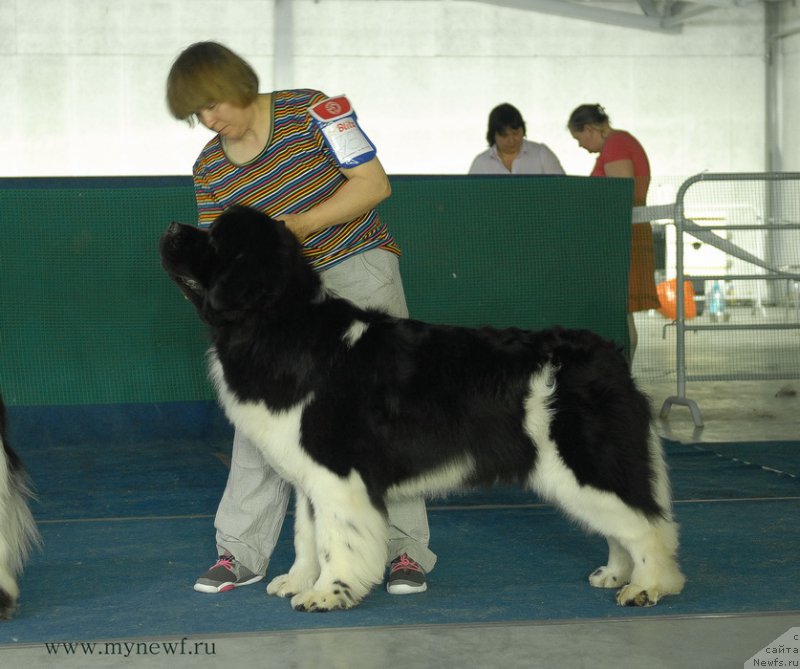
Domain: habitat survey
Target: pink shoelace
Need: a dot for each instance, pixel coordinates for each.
(225, 561)
(404, 562)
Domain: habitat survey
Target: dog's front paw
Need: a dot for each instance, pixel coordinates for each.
(606, 577)
(337, 596)
(636, 595)
(288, 585)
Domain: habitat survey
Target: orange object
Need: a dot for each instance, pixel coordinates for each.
(667, 297)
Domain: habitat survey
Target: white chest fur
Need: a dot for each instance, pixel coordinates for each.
(275, 433)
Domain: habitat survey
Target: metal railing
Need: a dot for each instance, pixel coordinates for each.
(774, 220)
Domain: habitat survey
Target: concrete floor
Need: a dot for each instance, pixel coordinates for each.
(732, 410)
(666, 643)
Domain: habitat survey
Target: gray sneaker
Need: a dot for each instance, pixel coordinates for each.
(406, 577)
(226, 574)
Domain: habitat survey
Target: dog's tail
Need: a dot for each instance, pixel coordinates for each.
(18, 532)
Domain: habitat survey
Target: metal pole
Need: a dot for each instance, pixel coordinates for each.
(680, 313)
(283, 48)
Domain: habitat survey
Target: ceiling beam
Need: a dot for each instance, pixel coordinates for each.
(724, 4)
(686, 11)
(585, 12)
(648, 7)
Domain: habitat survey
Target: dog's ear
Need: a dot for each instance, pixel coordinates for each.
(247, 282)
(256, 256)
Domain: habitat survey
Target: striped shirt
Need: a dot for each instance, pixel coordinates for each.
(294, 173)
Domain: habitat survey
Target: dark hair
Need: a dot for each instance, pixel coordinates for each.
(207, 73)
(501, 117)
(587, 115)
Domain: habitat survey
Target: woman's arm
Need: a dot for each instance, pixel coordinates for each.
(367, 186)
(624, 169)
(550, 161)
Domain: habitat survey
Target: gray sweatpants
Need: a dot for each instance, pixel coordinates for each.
(253, 506)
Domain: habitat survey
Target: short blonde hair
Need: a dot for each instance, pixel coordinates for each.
(206, 73)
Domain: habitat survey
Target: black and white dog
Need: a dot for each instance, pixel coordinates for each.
(354, 407)
(18, 533)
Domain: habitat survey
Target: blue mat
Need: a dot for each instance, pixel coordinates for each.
(127, 521)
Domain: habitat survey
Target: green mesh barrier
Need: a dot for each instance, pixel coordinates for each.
(87, 316)
(524, 251)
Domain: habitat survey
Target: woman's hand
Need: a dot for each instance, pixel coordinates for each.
(367, 186)
(294, 223)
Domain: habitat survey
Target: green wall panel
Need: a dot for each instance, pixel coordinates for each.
(87, 316)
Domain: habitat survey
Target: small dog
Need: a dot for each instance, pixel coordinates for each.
(18, 533)
(354, 407)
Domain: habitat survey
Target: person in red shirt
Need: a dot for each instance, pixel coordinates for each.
(621, 155)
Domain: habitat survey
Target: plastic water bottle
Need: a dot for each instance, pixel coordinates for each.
(716, 302)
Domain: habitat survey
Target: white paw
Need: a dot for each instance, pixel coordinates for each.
(288, 585)
(636, 595)
(606, 577)
(337, 596)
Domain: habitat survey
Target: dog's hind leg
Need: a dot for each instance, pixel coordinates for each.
(650, 542)
(305, 570)
(655, 569)
(653, 551)
(642, 566)
(642, 550)
(617, 572)
(351, 538)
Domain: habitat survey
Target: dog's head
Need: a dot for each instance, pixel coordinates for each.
(245, 262)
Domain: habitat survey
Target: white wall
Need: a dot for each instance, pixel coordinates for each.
(82, 81)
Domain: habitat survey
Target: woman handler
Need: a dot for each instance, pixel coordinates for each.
(300, 157)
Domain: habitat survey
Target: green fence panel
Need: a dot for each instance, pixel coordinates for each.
(87, 316)
(527, 251)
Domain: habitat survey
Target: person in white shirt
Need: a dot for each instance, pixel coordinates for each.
(509, 152)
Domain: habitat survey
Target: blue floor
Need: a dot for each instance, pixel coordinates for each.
(127, 522)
